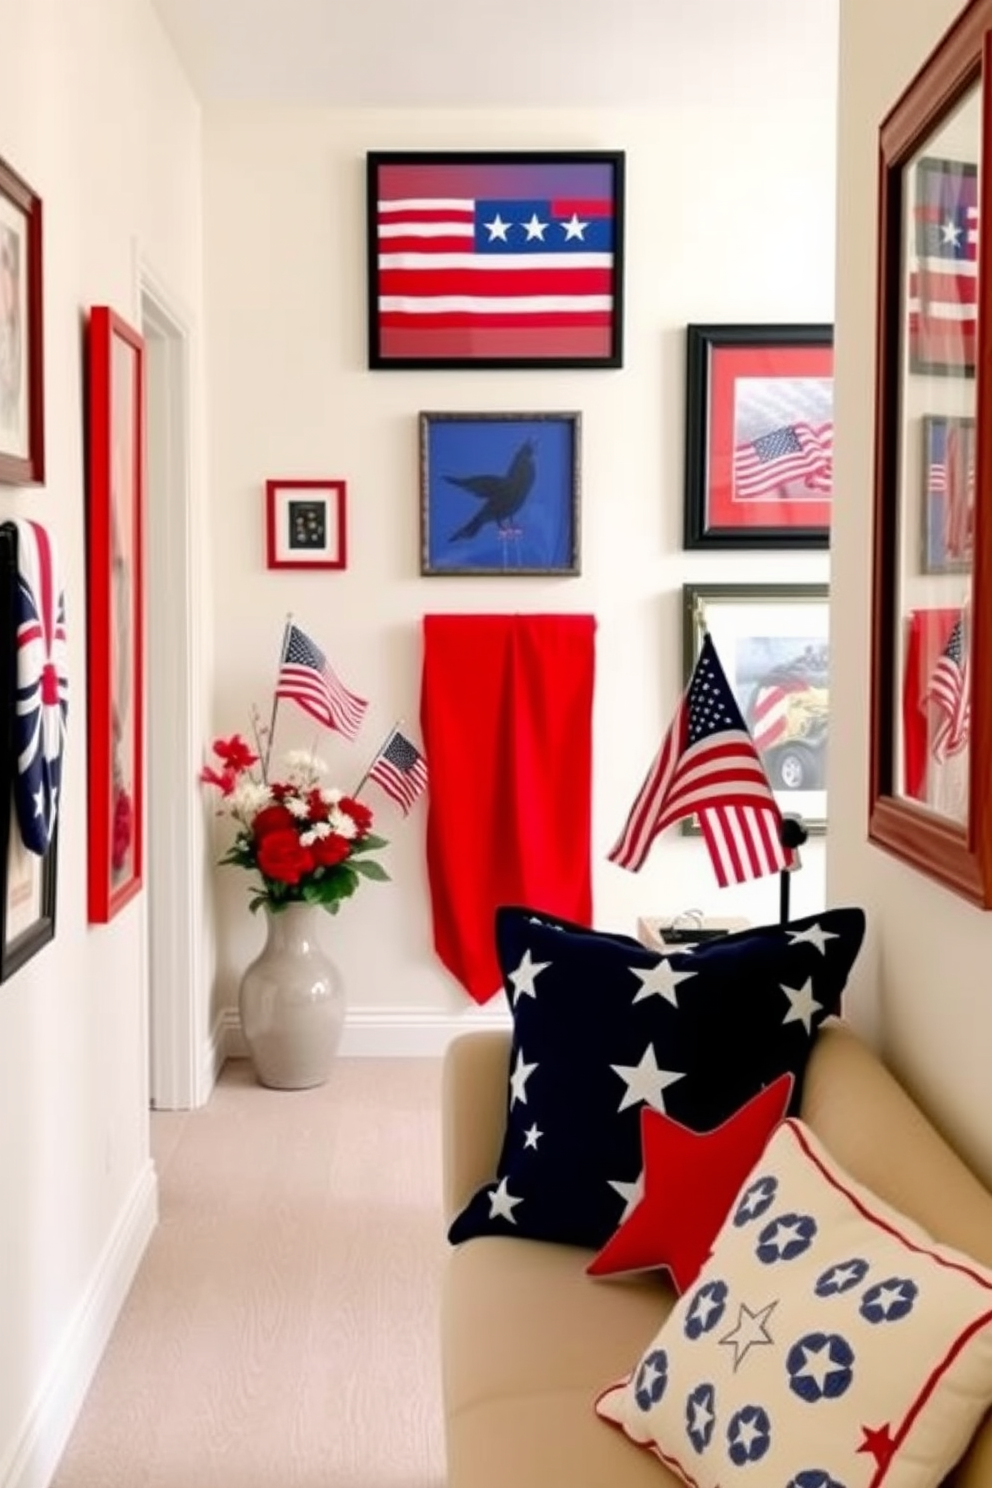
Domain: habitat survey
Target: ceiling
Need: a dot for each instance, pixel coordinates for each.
(493, 53)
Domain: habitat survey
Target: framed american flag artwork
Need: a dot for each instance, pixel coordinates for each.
(931, 716)
(495, 259)
(33, 685)
(759, 436)
(115, 613)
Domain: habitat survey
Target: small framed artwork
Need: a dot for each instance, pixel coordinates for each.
(499, 493)
(115, 613)
(774, 645)
(28, 879)
(498, 259)
(943, 267)
(759, 436)
(948, 493)
(22, 382)
(305, 524)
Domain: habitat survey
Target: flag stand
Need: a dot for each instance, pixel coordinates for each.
(792, 834)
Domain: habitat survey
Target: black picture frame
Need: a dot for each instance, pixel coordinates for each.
(541, 536)
(425, 317)
(40, 880)
(22, 342)
(758, 436)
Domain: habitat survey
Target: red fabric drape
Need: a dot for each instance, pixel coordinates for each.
(506, 714)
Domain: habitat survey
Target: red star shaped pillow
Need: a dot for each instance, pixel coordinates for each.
(690, 1180)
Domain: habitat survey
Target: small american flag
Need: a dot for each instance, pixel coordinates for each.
(708, 765)
(943, 280)
(306, 678)
(42, 685)
(401, 770)
(800, 452)
(948, 691)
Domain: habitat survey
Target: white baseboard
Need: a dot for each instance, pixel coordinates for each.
(383, 1033)
(33, 1455)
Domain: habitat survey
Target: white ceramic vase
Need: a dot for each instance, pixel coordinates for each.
(291, 1002)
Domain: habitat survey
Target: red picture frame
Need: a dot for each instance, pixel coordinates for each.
(22, 378)
(306, 524)
(759, 436)
(115, 613)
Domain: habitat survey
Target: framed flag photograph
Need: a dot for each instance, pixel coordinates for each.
(948, 492)
(495, 259)
(499, 494)
(774, 645)
(758, 436)
(115, 613)
(943, 280)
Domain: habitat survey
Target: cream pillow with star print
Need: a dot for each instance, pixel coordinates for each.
(828, 1342)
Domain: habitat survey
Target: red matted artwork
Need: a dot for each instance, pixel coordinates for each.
(115, 615)
(759, 436)
(305, 524)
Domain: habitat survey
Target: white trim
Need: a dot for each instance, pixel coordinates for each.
(34, 1453)
(387, 1033)
(178, 1077)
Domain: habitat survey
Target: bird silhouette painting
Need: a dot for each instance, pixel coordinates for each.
(501, 495)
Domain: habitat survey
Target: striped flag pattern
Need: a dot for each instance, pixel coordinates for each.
(943, 279)
(948, 691)
(708, 765)
(306, 678)
(401, 770)
(800, 452)
(496, 260)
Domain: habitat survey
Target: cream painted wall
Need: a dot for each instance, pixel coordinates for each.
(924, 987)
(730, 218)
(96, 114)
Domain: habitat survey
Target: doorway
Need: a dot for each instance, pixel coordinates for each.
(179, 1077)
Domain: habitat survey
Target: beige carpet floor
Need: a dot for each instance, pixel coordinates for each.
(282, 1331)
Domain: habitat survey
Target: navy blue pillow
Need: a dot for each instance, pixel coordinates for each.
(602, 1025)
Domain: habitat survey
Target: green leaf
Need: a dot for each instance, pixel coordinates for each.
(372, 870)
(369, 844)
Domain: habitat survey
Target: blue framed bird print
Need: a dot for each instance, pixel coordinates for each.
(499, 493)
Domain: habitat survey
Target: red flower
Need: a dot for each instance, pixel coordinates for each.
(272, 819)
(330, 850)
(283, 857)
(359, 813)
(235, 754)
(317, 807)
(225, 781)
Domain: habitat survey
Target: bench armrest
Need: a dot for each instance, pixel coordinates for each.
(473, 1113)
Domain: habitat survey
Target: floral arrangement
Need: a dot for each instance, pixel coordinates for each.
(308, 843)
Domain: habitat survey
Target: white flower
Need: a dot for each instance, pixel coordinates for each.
(314, 833)
(247, 799)
(330, 795)
(304, 768)
(296, 807)
(342, 823)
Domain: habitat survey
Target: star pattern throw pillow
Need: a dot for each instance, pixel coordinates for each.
(603, 1026)
(827, 1343)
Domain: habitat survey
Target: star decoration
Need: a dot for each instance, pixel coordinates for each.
(532, 1136)
(751, 1331)
(878, 1443)
(631, 1193)
(813, 935)
(660, 981)
(950, 232)
(502, 1203)
(803, 1006)
(645, 1081)
(526, 972)
(535, 228)
(518, 1080)
(574, 228)
(690, 1180)
(497, 229)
